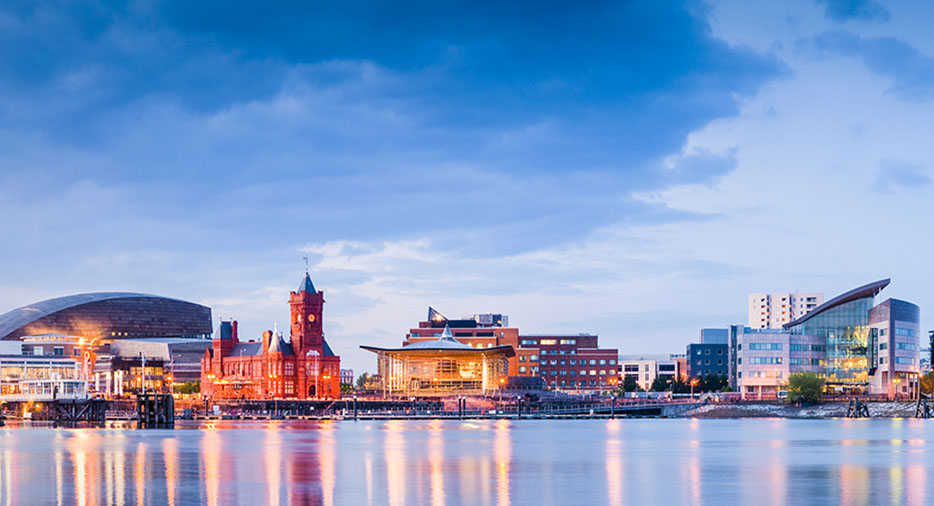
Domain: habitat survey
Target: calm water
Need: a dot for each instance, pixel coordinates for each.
(755, 461)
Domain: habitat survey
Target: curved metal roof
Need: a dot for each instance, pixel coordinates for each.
(13, 320)
(446, 343)
(868, 290)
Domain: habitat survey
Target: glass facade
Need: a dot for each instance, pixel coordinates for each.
(845, 329)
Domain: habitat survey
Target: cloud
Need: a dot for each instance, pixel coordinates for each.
(900, 174)
(861, 10)
(912, 72)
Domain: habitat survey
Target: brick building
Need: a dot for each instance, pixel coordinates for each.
(304, 367)
(563, 361)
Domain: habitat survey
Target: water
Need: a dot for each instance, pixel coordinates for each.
(615, 462)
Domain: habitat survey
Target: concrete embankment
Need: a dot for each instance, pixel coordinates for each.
(781, 410)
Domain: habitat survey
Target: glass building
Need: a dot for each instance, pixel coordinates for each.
(843, 324)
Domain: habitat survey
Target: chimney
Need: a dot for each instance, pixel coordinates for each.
(236, 338)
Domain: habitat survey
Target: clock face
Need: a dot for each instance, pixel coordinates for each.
(311, 318)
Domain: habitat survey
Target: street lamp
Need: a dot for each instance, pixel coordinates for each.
(693, 383)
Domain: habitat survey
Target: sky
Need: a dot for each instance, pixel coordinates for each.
(632, 169)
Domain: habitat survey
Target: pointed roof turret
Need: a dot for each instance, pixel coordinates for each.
(275, 344)
(446, 335)
(306, 285)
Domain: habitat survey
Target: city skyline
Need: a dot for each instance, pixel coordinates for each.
(633, 171)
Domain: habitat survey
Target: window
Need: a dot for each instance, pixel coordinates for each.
(593, 362)
(904, 360)
(528, 342)
(593, 372)
(533, 358)
(554, 362)
(883, 346)
(603, 362)
(548, 342)
(905, 332)
(521, 358)
(59, 350)
(739, 361)
(898, 346)
(289, 369)
(719, 352)
(631, 368)
(706, 352)
(765, 360)
(574, 362)
(765, 346)
(573, 373)
(564, 373)
(612, 362)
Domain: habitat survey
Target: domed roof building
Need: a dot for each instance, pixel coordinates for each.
(109, 315)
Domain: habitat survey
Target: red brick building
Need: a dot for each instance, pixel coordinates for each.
(563, 361)
(304, 367)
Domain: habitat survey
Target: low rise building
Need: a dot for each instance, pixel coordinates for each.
(646, 368)
(572, 362)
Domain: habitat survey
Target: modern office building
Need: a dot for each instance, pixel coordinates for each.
(894, 347)
(109, 315)
(303, 367)
(705, 359)
(765, 358)
(563, 361)
(856, 345)
(773, 310)
(646, 368)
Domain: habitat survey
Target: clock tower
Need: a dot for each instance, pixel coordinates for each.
(307, 306)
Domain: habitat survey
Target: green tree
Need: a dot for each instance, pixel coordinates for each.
(346, 388)
(630, 384)
(362, 380)
(805, 387)
(189, 387)
(680, 386)
(660, 384)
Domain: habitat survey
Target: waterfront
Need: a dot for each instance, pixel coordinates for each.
(650, 461)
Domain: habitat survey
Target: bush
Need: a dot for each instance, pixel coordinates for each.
(189, 387)
(805, 387)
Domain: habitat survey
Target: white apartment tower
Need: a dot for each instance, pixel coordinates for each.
(772, 310)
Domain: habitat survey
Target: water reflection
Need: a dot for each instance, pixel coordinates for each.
(436, 461)
(170, 452)
(506, 463)
(614, 463)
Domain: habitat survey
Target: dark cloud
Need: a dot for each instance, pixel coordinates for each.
(862, 10)
(911, 71)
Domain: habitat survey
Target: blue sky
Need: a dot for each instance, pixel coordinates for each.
(632, 169)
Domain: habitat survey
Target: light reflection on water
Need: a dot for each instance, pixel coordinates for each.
(506, 463)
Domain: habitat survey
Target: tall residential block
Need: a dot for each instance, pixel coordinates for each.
(773, 310)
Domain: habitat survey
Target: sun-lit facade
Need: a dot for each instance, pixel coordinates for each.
(441, 367)
(855, 344)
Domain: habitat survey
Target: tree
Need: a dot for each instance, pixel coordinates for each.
(680, 386)
(805, 387)
(362, 380)
(630, 384)
(927, 383)
(660, 384)
(713, 383)
(189, 387)
(346, 388)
